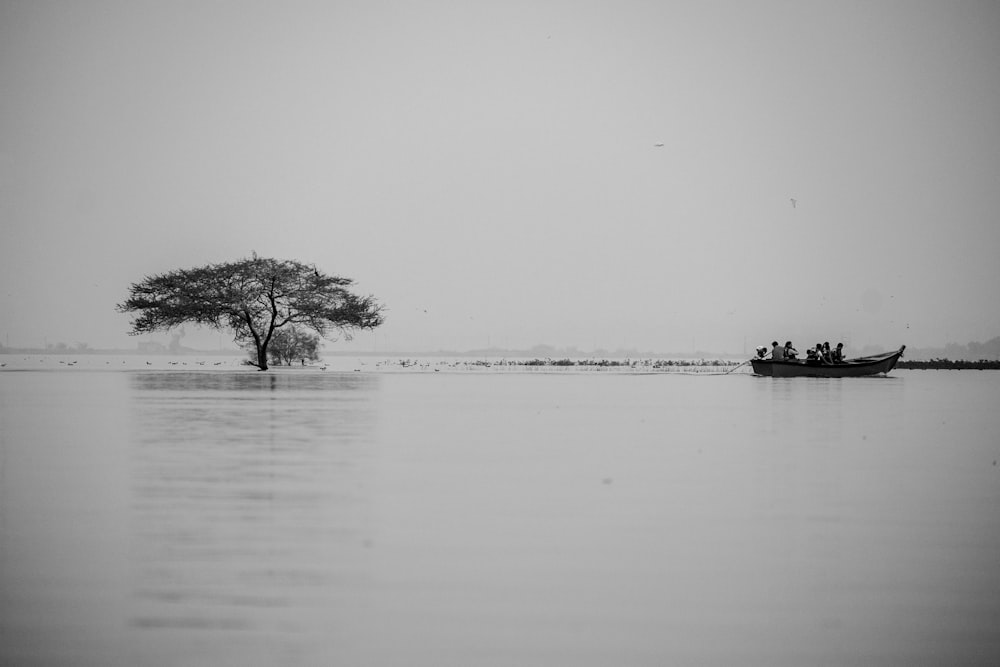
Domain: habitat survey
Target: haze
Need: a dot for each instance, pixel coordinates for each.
(492, 171)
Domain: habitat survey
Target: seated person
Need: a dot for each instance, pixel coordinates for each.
(790, 352)
(826, 355)
(838, 354)
(761, 351)
(811, 355)
(817, 353)
(777, 353)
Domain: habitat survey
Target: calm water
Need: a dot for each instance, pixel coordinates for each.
(229, 517)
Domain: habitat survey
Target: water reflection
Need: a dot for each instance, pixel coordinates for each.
(478, 519)
(249, 501)
(820, 408)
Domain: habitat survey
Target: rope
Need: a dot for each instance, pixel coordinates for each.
(735, 367)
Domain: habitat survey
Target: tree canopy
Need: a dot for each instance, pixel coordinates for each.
(253, 298)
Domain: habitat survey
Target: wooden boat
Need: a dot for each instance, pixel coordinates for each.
(849, 368)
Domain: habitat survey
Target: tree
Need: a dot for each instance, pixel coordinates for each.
(253, 298)
(289, 345)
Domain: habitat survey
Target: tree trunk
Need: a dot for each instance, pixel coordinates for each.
(261, 345)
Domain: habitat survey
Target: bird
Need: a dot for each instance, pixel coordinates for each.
(794, 201)
(658, 144)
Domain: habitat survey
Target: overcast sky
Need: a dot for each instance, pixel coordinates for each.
(491, 171)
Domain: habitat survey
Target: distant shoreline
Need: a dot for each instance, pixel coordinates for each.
(516, 357)
(69, 351)
(949, 365)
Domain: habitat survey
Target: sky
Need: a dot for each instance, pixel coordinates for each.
(602, 175)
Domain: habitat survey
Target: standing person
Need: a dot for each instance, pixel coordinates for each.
(777, 353)
(838, 354)
(790, 352)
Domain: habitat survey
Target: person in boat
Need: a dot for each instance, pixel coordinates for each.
(790, 352)
(761, 351)
(838, 354)
(816, 354)
(777, 353)
(827, 355)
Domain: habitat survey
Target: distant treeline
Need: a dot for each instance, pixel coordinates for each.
(974, 352)
(948, 364)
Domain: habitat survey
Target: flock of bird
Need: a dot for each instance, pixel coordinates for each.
(75, 362)
(385, 365)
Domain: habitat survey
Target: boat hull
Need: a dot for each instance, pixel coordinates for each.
(861, 367)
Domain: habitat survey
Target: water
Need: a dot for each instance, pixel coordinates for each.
(229, 517)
